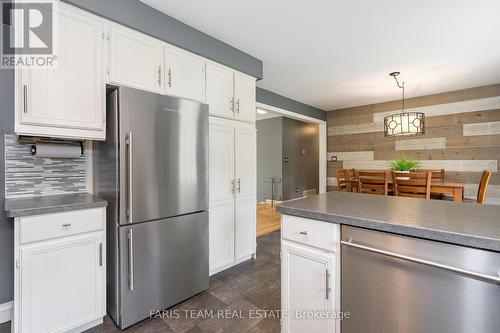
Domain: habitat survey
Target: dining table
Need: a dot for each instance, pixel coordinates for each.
(437, 187)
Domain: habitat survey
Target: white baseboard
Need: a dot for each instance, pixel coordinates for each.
(6, 312)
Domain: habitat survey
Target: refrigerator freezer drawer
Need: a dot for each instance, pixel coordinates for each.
(163, 262)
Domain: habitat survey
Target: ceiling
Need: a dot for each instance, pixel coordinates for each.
(333, 54)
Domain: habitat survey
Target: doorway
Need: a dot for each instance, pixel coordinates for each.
(291, 161)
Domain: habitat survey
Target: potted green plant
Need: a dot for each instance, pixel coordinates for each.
(404, 164)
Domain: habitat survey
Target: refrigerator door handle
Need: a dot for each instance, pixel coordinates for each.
(131, 259)
(130, 177)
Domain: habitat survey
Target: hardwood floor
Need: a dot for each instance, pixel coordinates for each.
(239, 293)
(268, 219)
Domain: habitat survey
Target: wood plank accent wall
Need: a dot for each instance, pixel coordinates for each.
(462, 135)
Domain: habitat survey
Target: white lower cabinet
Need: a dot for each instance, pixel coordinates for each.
(245, 227)
(309, 278)
(60, 277)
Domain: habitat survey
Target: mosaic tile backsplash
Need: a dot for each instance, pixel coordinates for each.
(26, 175)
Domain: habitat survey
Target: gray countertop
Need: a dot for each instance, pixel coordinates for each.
(457, 223)
(16, 207)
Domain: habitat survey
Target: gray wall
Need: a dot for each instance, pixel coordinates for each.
(301, 172)
(269, 156)
(6, 225)
(136, 15)
(282, 102)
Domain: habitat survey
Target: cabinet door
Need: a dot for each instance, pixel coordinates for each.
(62, 284)
(306, 276)
(185, 74)
(70, 95)
(219, 90)
(245, 226)
(135, 59)
(244, 94)
(245, 162)
(221, 165)
(221, 234)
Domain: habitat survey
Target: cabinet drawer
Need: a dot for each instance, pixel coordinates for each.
(48, 226)
(323, 235)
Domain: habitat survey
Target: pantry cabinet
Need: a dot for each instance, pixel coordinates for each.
(309, 275)
(66, 100)
(232, 179)
(230, 94)
(60, 279)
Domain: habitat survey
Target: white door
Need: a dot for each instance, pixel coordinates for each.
(185, 74)
(245, 227)
(221, 234)
(244, 94)
(245, 162)
(219, 90)
(71, 94)
(135, 59)
(221, 165)
(62, 284)
(306, 276)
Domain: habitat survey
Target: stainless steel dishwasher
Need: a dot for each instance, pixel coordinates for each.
(393, 283)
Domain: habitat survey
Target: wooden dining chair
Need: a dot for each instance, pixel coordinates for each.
(351, 175)
(436, 174)
(341, 179)
(483, 187)
(373, 182)
(413, 184)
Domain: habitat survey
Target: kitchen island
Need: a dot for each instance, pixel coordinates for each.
(390, 264)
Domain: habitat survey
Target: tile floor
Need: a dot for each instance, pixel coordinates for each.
(241, 292)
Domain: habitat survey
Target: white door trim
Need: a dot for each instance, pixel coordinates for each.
(322, 138)
(6, 312)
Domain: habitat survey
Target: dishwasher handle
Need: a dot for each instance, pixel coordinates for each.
(485, 277)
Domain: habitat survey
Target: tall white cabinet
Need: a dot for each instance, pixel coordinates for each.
(232, 207)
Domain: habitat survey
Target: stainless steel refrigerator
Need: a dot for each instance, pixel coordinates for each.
(153, 170)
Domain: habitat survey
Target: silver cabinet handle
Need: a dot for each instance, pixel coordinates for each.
(130, 239)
(328, 289)
(487, 278)
(130, 162)
(100, 254)
(170, 78)
(232, 186)
(239, 185)
(159, 76)
(66, 225)
(231, 104)
(303, 233)
(25, 98)
(238, 105)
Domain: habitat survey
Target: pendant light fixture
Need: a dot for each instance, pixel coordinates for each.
(403, 123)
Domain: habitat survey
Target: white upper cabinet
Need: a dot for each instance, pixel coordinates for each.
(135, 59)
(184, 74)
(244, 97)
(245, 161)
(68, 100)
(220, 90)
(230, 94)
